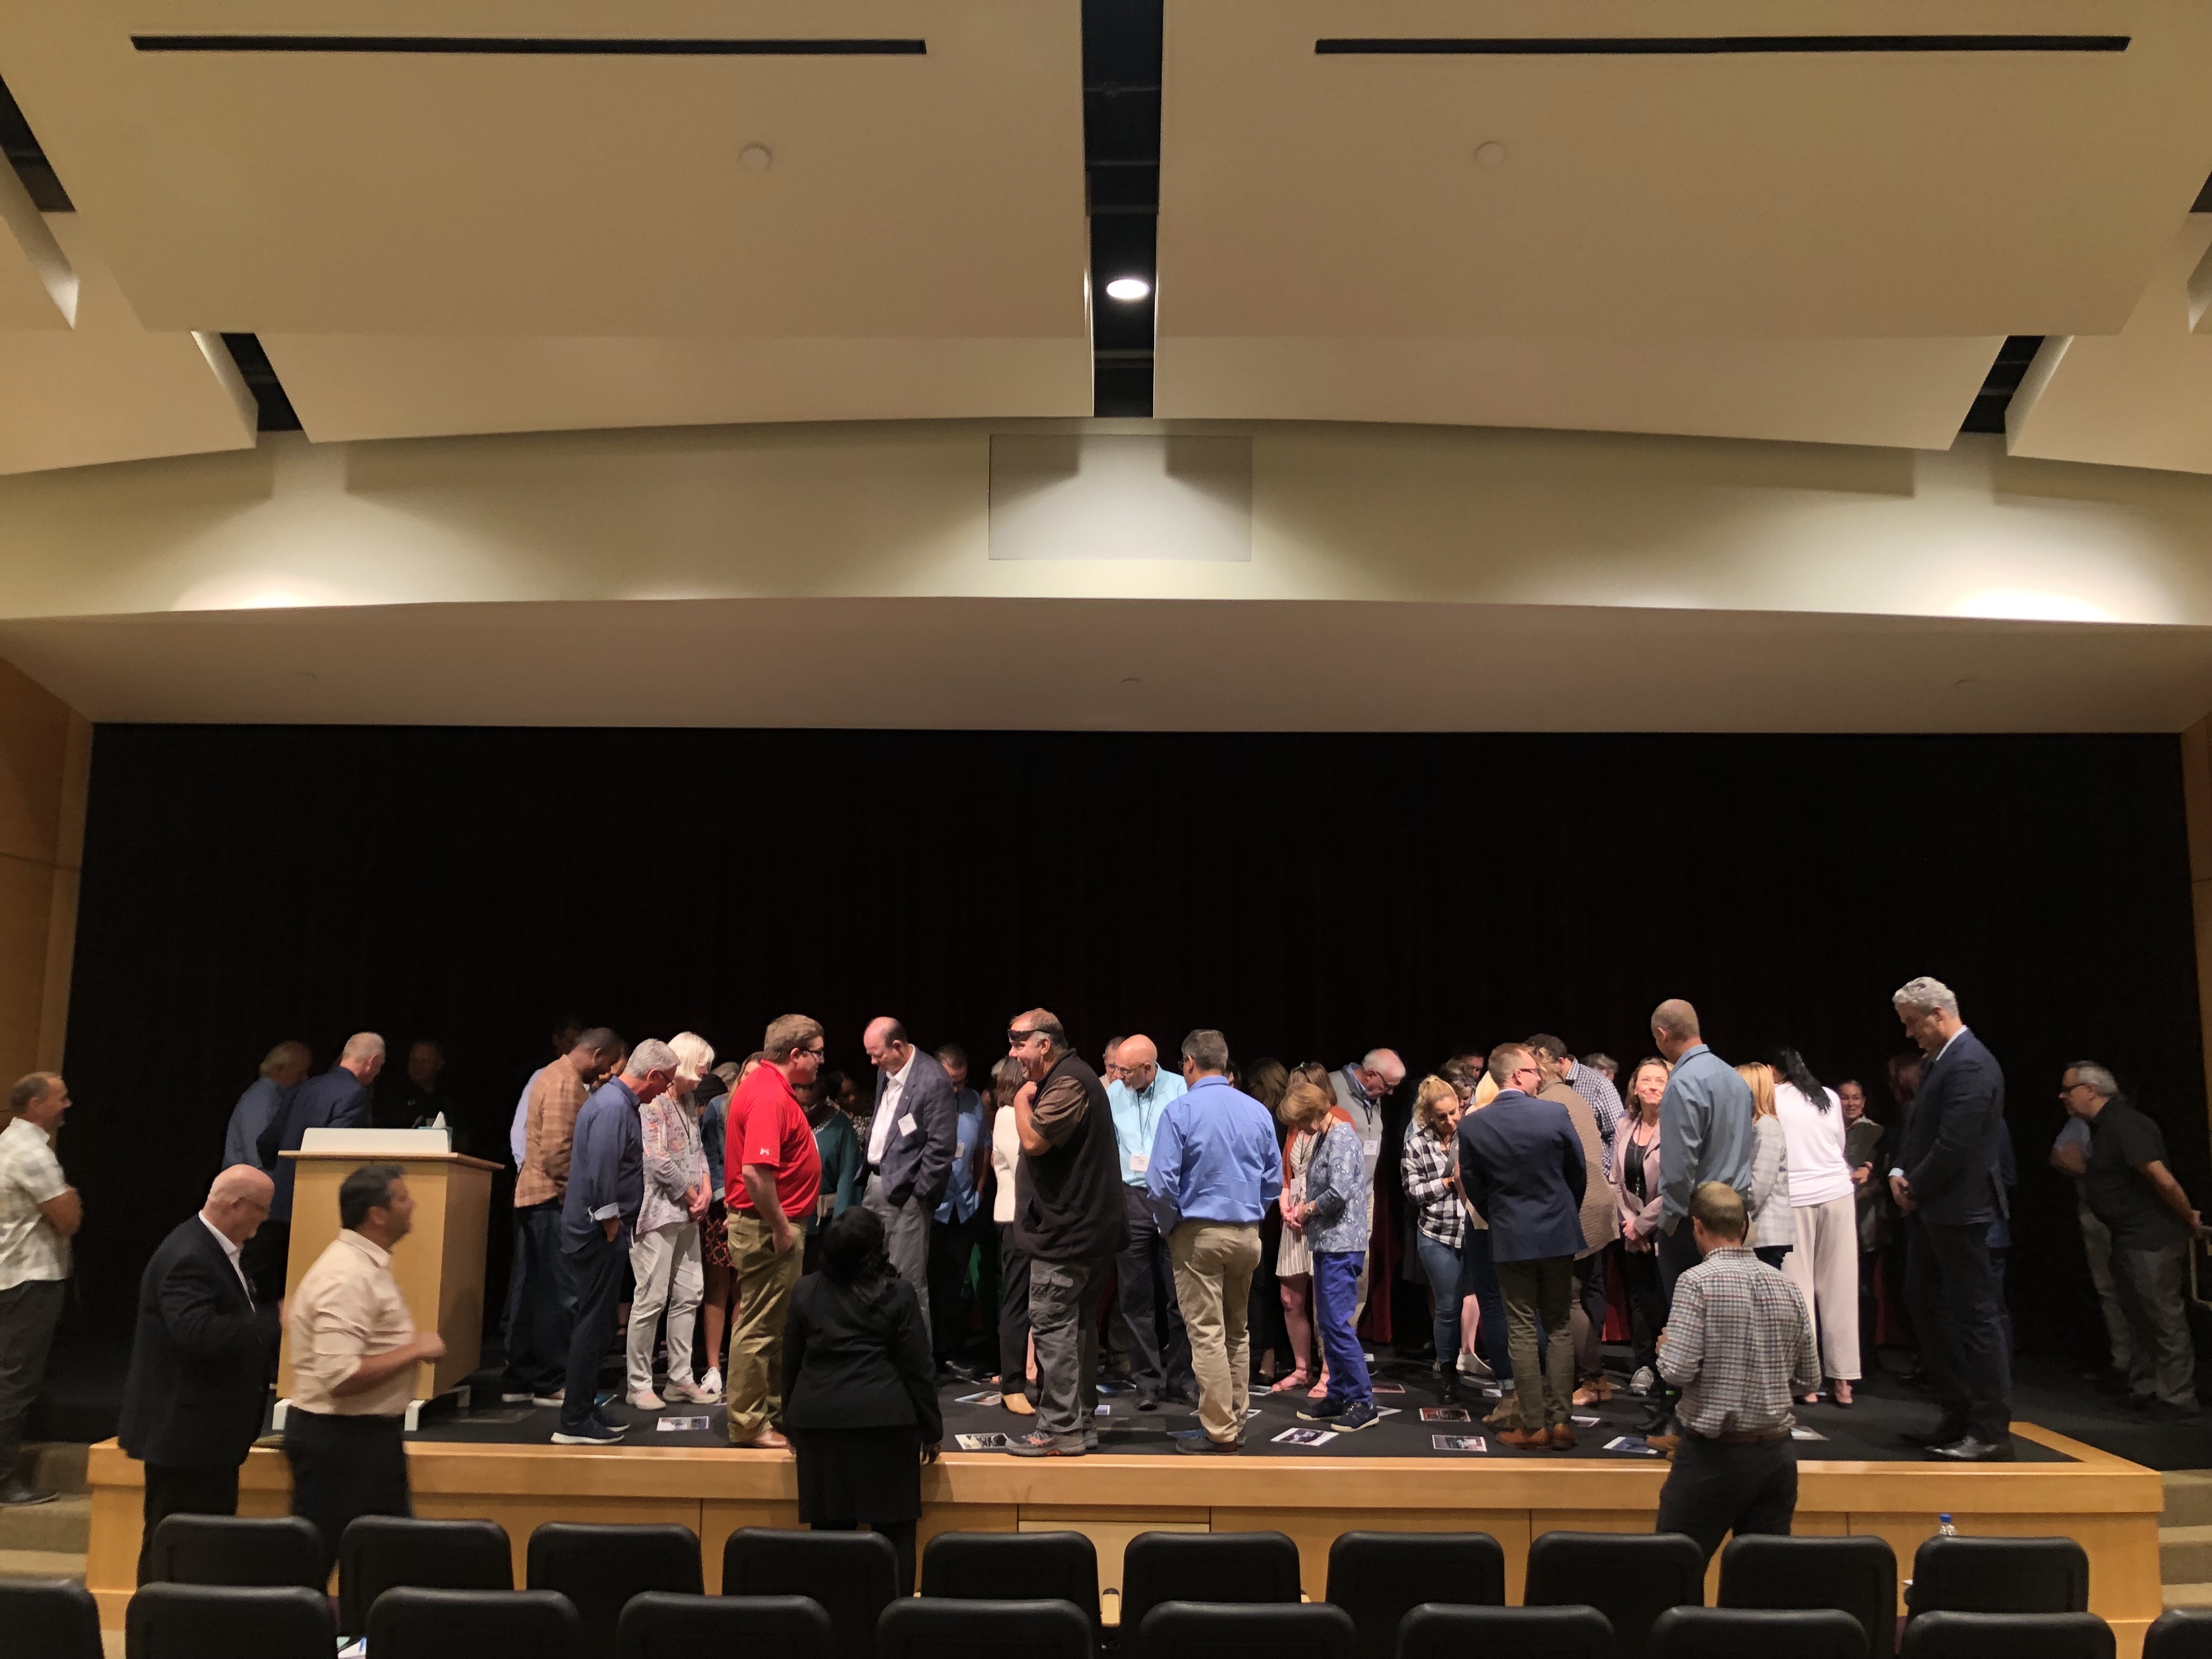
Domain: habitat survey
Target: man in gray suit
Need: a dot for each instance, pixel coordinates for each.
(910, 1143)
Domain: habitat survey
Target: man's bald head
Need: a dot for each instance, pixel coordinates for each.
(1139, 1059)
(885, 1042)
(239, 1202)
(1674, 1027)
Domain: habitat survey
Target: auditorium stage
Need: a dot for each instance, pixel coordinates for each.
(499, 1464)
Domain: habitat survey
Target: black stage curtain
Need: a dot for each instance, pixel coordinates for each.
(1311, 895)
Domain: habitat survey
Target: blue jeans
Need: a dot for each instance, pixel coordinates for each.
(1336, 1300)
(1441, 1264)
(1481, 1279)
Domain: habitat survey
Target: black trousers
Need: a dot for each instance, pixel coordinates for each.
(1717, 1486)
(28, 1314)
(1159, 1358)
(262, 1259)
(952, 1245)
(1014, 1314)
(1958, 1318)
(538, 1337)
(901, 1533)
(1647, 1304)
(183, 1489)
(595, 1272)
(342, 1467)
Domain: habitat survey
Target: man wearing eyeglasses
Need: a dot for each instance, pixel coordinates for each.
(774, 1178)
(1068, 1221)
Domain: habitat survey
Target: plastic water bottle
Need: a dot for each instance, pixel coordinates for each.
(1944, 1528)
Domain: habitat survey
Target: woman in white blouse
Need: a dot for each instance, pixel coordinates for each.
(1825, 1264)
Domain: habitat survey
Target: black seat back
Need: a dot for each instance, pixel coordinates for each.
(2177, 1633)
(381, 1552)
(1378, 1577)
(407, 1623)
(1205, 1566)
(1246, 1630)
(1857, 1573)
(238, 1549)
(1001, 1567)
(1631, 1578)
(853, 1575)
(599, 1568)
(2000, 1574)
(222, 1621)
(1757, 1633)
(48, 1619)
(1436, 1630)
(657, 1625)
(1939, 1635)
(940, 1627)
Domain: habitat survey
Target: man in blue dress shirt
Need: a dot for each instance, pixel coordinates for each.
(1212, 1171)
(266, 1099)
(606, 1188)
(338, 1099)
(1159, 1349)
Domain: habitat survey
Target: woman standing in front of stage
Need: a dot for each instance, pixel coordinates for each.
(859, 1396)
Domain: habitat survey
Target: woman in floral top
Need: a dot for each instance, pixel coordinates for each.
(664, 1256)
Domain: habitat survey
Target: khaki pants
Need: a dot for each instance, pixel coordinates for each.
(665, 1264)
(765, 1281)
(1215, 1261)
(1823, 1266)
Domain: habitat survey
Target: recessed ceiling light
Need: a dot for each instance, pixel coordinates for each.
(1128, 287)
(755, 158)
(1492, 155)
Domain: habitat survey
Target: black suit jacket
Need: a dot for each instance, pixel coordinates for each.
(919, 1164)
(200, 1358)
(1949, 1152)
(854, 1361)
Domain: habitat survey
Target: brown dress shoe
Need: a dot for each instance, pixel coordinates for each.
(1525, 1439)
(1563, 1437)
(1018, 1404)
(769, 1440)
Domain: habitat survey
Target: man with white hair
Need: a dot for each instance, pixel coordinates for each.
(1361, 1089)
(2148, 1225)
(1159, 1347)
(598, 1218)
(338, 1099)
(1946, 1185)
(201, 1359)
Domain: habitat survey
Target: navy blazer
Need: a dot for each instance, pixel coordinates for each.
(201, 1358)
(1522, 1164)
(920, 1165)
(336, 1100)
(1949, 1154)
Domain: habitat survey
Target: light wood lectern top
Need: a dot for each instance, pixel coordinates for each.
(439, 1265)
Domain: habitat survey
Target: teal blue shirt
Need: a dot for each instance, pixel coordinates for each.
(1136, 1117)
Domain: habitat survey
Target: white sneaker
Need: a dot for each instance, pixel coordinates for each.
(1473, 1366)
(695, 1393)
(709, 1387)
(1644, 1382)
(549, 1399)
(646, 1401)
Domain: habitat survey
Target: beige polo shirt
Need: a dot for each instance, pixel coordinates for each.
(348, 1308)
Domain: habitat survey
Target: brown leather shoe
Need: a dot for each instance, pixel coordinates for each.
(1018, 1404)
(769, 1440)
(1525, 1439)
(1562, 1437)
(1662, 1443)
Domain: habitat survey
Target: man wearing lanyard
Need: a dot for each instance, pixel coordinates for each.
(910, 1148)
(1159, 1352)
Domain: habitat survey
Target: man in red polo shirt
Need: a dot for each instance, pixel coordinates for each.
(775, 1177)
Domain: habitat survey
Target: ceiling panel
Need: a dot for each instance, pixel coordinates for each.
(366, 386)
(37, 288)
(109, 389)
(2141, 398)
(605, 193)
(1797, 193)
(1912, 393)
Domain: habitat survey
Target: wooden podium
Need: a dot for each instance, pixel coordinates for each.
(439, 1265)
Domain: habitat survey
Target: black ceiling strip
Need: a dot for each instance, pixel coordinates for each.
(1684, 46)
(1987, 412)
(270, 398)
(1121, 56)
(493, 45)
(20, 146)
(2203, 202)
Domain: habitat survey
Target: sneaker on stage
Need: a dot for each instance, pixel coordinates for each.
(547, 1399)
(590, 1432)
(1644, 1382)
(1352, 1418)
(15, 1493)
(1039, 1445)
(710, 1386)
(1323, 1411)
(691, 1394)
(650, 1402)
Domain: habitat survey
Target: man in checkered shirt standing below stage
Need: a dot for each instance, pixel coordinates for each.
(1739, 1344)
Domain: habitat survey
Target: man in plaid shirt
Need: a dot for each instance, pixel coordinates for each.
(1739, 1344)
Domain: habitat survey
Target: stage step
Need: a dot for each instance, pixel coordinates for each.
(64, 1525)
(2184, 1539)
(2188, 1499)
(55, 1466)
(41, 1564)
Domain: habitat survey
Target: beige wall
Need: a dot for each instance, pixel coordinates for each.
(45, 752)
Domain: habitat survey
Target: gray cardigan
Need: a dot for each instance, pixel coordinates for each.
(1772, 1221)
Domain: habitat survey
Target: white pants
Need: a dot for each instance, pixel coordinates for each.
(1823, 1266)
(665, 1264)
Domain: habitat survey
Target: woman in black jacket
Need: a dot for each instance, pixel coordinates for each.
(859, 1391)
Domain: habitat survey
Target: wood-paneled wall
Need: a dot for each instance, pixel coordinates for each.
(45, 763)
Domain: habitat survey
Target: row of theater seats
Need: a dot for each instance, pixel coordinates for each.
(225, 1587)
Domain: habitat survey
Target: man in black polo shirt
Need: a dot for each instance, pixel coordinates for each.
(2132, 1192)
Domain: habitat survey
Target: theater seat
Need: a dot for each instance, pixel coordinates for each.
(407, 1623)
(381, 1552)
(2000, 1574)
(1631, 1578)
(657, 1626)
(1246, 1630)
(2177, 1633)
(48, 1619)
(1205, 1566)
(237, 1549)
(939, 1627)
(1378, 1577)
(2008, 1636)
(599, 1568)
(1000, 1566)
(1436, 1631)
(1757, 1633)
(853, 1575)
(1857, 1573)
(226, 1621)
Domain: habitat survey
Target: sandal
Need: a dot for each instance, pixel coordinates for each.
(1320, 1390)
(1295, 1379)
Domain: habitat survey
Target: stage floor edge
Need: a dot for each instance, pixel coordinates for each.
(2110, 1505)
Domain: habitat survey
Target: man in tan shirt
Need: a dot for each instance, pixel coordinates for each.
(354, 1354)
